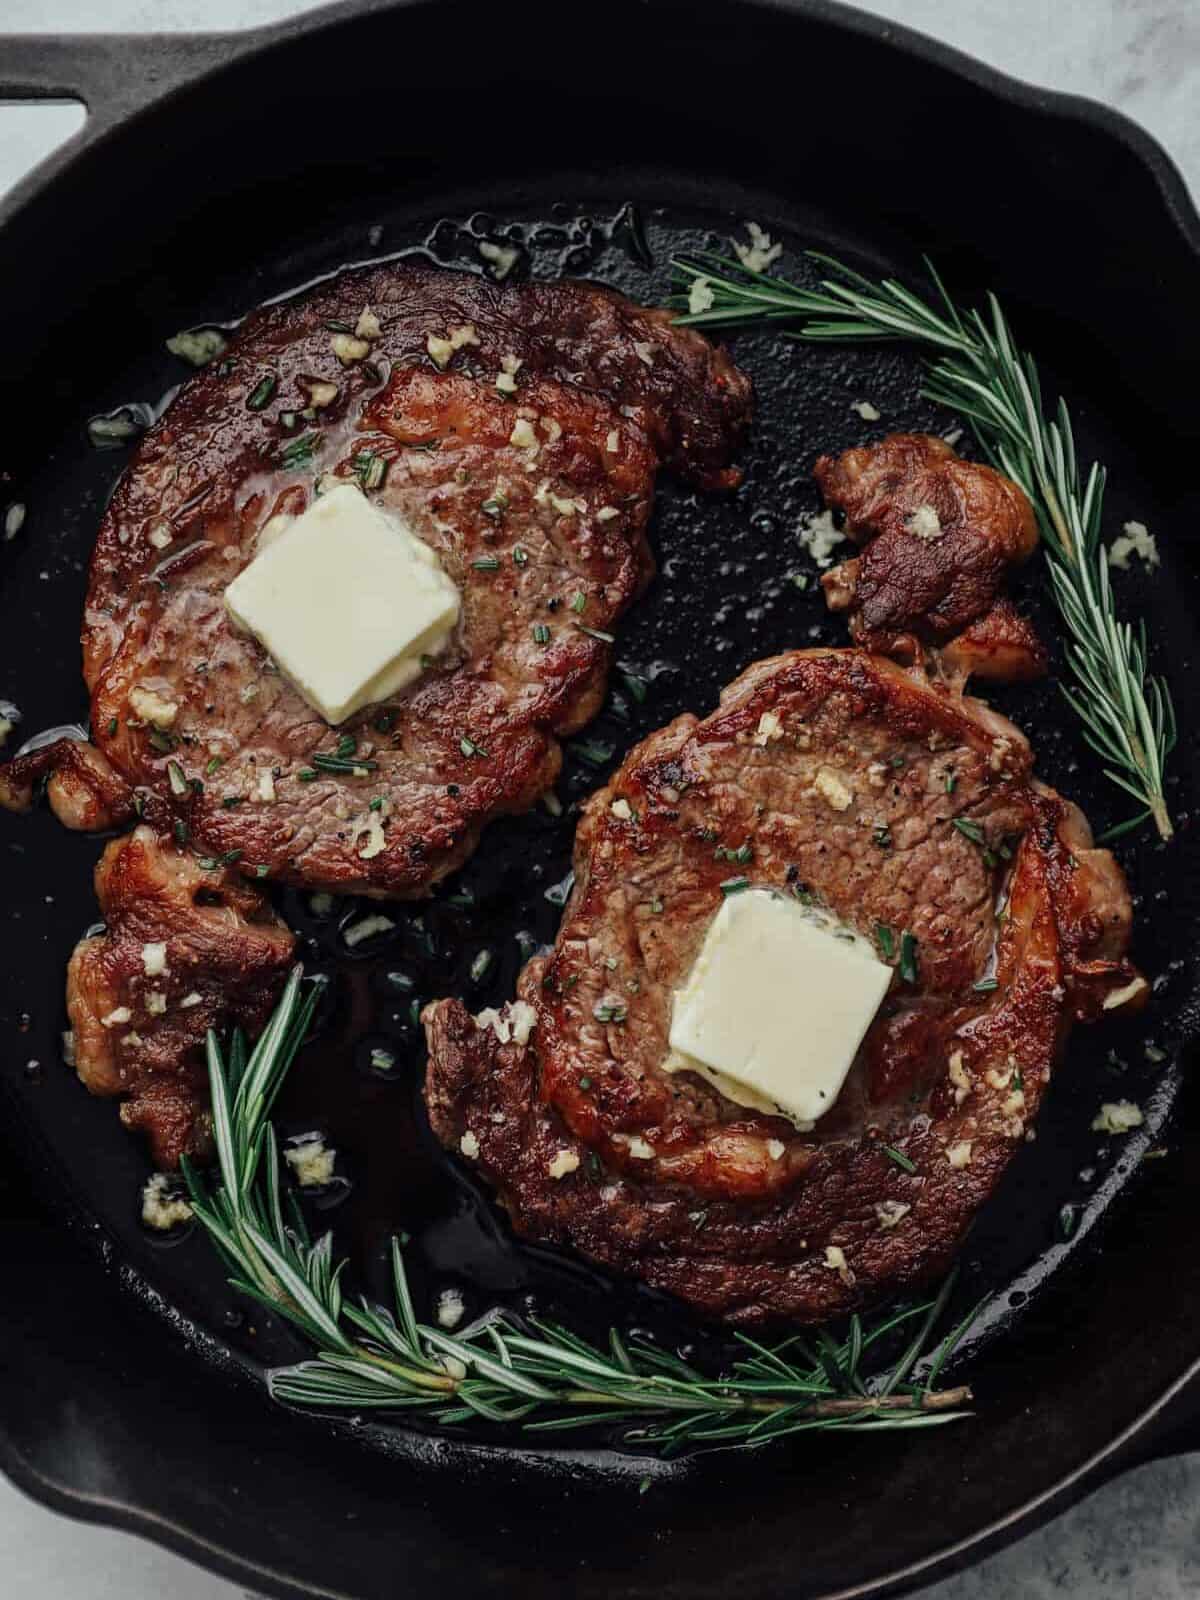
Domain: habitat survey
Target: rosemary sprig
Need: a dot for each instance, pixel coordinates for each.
(978, 371)
(534, 1374)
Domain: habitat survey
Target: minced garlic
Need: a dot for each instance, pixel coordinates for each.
(831, 788)
(761, 252)
(1117, 1116)
(152, 707)
(348, 349)
(563, 1162)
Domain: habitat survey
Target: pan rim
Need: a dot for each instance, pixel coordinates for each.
(177, 1536)
(200, 56)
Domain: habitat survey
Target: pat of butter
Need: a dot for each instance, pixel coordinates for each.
(346, 600)
(776, 1006)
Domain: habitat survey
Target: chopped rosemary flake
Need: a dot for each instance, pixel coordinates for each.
(494, 506)
(898, 762)
(1068, 1218)
(298, 452)
(376, 804)
(112, 727)
(610, 1011)
(339, 327)
(636, 686)
(578, 601)
(209, 863)
(985, 985)
(462, 899)
(972, 831)
(469, 748)
(520, 555)
(346, 746)
(261, 872)
(385, 721)
(182, 832)
(594, 751)
(306, 774)
(734, 885)
(898, 1157)
(370, 469)
(541, 633)
(179, 784)
(230, 857)
(743, 853)
(596, 633)
(882, 835)
(951, 782)
(585, 1084)
(481, 965)
(261, 393)
(656, 907)
(211, 766)
(908, 956)
(357, 768)
(231, 800)
(486, 564)
(886, 940)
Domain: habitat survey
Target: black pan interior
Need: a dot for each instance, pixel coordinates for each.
(589, 203)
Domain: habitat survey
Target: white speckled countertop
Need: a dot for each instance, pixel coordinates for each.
(1135, 1539)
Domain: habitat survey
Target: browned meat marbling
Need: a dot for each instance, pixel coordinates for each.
(891, 800)
(939, 535)
(186, 948)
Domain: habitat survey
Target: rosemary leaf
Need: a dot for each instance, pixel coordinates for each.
(976, 369)
(535, 1374)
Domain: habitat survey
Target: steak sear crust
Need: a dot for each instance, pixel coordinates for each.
(845, 776)
(185, 949)
(85, 792)
(939, 535)
(519, 431)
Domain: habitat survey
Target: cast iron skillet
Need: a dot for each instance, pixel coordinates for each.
(215, 172)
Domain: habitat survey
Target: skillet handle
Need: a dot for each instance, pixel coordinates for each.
(114, 75)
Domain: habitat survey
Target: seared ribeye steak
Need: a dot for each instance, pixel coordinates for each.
(939, 535)
(912, 815)
(518, 430)
(187, 946)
